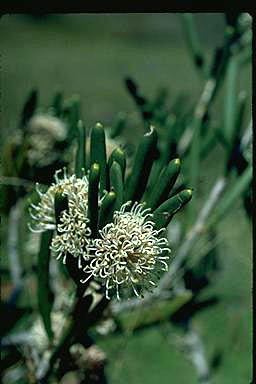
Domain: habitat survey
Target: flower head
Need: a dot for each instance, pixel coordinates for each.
(45, 132)
(72, 231)
(129, 253)
(76, 190)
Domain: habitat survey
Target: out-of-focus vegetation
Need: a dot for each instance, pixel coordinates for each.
(130, 71)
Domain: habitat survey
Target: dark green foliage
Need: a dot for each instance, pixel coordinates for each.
(60, 204)
(164, 183)
(116, 184)
(44, 292)
(193, 40)
(143, 162)
(80, 154)
(98, 154)
(71, 114)
(119, 126)
(107, 209)
(118, 155)
(166, 211)
(140, 100)
(57, 104)
(186, 127)
(29, 108)
(94, 178)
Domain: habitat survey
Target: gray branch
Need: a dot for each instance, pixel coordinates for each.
(18, 182)
(194, 350)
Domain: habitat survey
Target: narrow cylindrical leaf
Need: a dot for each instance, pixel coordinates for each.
(118, 155)
(29, 107)
(72, 113)
(80, 154)
(44, 293)
(60, 204)
(193, 40)
(166, 211)
(143, 162)
(107, 209)
(57, 103)
(142, 103)
(230, 106)
(164, 184)
(168, 152)
(76, 273)
(116, 184)
(98, 154)
(93, 192)
(118, 127)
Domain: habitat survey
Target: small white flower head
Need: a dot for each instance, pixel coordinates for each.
(129, 254)
(76, 190)
(45, 132)
(72, 231)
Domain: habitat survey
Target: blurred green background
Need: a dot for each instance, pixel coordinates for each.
(89, 55)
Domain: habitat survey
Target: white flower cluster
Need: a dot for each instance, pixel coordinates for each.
(73, 232)
(128, 254)
(45, 131)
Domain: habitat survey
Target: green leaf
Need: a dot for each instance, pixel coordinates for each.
(116, 184)
(60, 204)
(98, 154)
(143, 162)
(44, 293)
(230, 105)
(164, 184)
(57, 103)
(193, 40)
(72, 114)
(29, 108)
(93, 193)
(166, 211)
(107, 209)
(80, 155)
(118, 127)
(118, 155)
